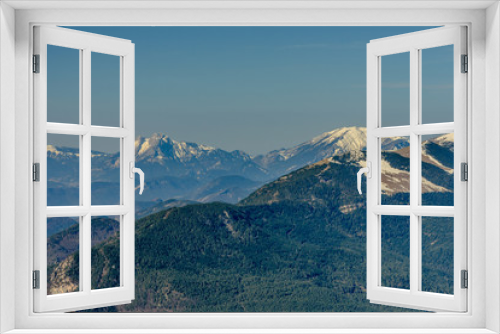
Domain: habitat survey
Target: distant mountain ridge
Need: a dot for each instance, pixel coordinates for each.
(175, 158)
(184, 171)
(326, 145)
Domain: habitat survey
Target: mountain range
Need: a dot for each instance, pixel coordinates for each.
(194, 172)
(177, 172)
(328, 144)
(296, 244)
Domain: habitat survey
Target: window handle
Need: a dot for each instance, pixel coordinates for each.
(368, 171)
(139, 171)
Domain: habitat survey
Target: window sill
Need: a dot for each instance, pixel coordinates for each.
(251, 331)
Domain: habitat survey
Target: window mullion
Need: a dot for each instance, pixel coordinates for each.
(415, 258)
(85, 251)
(81, 221)
(86, 168)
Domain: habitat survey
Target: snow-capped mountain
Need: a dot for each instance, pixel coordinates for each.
(446, 140)
(160, 156)
(437, 166)
(160, 147)
(321, 147)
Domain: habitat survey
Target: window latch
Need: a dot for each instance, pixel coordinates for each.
(368, 171)
(139, 171)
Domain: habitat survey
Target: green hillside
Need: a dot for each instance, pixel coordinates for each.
(62, 273)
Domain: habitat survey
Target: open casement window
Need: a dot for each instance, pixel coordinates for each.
(72, 129)
(401, 279)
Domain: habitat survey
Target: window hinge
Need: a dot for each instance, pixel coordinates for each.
(36, 279)
(464, 172)
(36, 172)
(465, 64)
(465, 279)
(36, 63)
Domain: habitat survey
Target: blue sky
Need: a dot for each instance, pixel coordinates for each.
(252, 88)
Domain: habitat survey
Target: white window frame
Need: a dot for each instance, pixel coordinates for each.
(483, 21)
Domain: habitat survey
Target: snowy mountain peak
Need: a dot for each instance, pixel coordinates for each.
(62, 151)
(52, 149)
(161, 155)
(353, 138)
(335, 141)
(324, 146)
(444, 140)
(162, 146)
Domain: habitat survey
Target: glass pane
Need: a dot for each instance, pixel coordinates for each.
(63, 170)
(105, 252)
(437, 254)
(395, 97)
(395, 241)
(63, 85)
(105, 90)
(437, 169)
(395, 170)
(437, 84)
(105, 171)
(63, 265)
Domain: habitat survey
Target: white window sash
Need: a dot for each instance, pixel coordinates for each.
(414, 297)
(85, 298)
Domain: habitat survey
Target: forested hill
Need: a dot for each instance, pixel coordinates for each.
(295, 245)
(330, 183)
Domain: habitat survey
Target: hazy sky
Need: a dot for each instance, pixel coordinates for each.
(250, 88)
